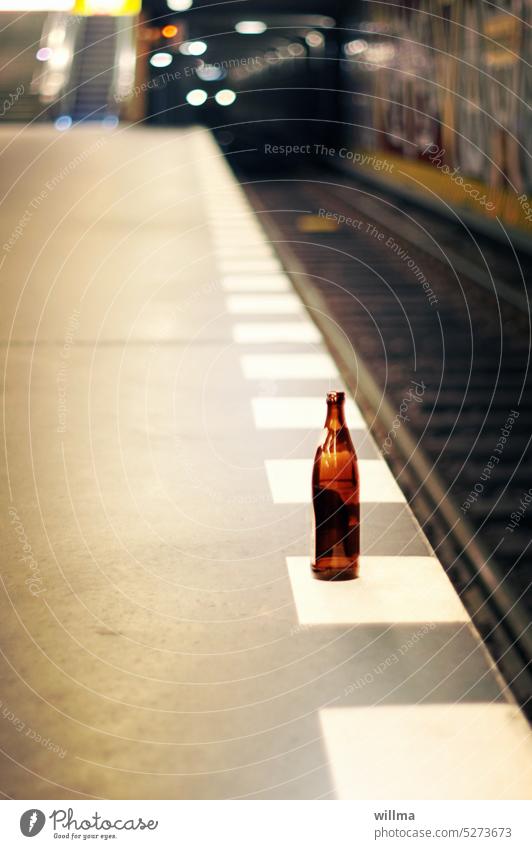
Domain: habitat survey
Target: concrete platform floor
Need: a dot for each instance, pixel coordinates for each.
(161, 636)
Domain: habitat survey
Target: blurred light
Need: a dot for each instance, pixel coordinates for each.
(110, 121)
(196, 97)
(59, 58)
(179, 5)
(225, 97)
(225, 137)
(169, 31)
(327, 22)
(43, 54)
(314, 39)
(272, 57)
(63, 122)
(161, 60)
(57, 35)
(193, 48)
(296, 49)
(106, 7)
(52, 84)
(371, 26)
(379, 52)
(210, 73)
(251, 27)
(352, 48)
(126, 71)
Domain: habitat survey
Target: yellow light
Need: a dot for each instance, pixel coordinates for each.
(169, 31)
(107, 7)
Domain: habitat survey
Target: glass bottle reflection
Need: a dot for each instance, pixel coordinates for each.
(335, 498)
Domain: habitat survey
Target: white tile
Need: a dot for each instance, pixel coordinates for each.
(288, 304)
(237, 232)
(229, 247)
(235, 208)
(305, 413)
(290, 481)
(233, 242)
(259, 333)
(236, 237)
(256, 283)
(389, 589)
(287, 366)
(248, 251)
(231, 228)
(249, 266)
(233, 225)
(428, 751)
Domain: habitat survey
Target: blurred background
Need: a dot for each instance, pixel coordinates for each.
(406, 80)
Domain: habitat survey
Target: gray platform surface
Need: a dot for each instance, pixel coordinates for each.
(161, 636)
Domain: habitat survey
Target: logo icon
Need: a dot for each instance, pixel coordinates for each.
(32, 822)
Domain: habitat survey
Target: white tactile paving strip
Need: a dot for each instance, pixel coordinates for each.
(394, 589)
(459, 751)
(249, 266)
(290, 482)
(251, 304)
(257, 333)
(288, 366)
(299, 413)
(233, 250)
(392, 751)
(255, 283)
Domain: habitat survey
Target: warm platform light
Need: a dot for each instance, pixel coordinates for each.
(161, 60)
(169, 31)
(225, 97)
(251, 27)
(193, 48)
(314, 38)
(196, 97)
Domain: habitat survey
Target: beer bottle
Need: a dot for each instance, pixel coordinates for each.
(335, 498)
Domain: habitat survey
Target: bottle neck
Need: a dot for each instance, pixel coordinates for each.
(335, 415)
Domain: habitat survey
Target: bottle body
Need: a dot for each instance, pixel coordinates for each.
(335, 499)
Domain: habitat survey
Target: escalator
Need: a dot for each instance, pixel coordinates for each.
(93, 70)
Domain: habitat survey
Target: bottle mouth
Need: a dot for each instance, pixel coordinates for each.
(335, 397)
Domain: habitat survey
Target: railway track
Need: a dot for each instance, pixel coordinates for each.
(400, 308)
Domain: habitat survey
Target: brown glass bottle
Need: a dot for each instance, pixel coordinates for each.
(335, 498)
